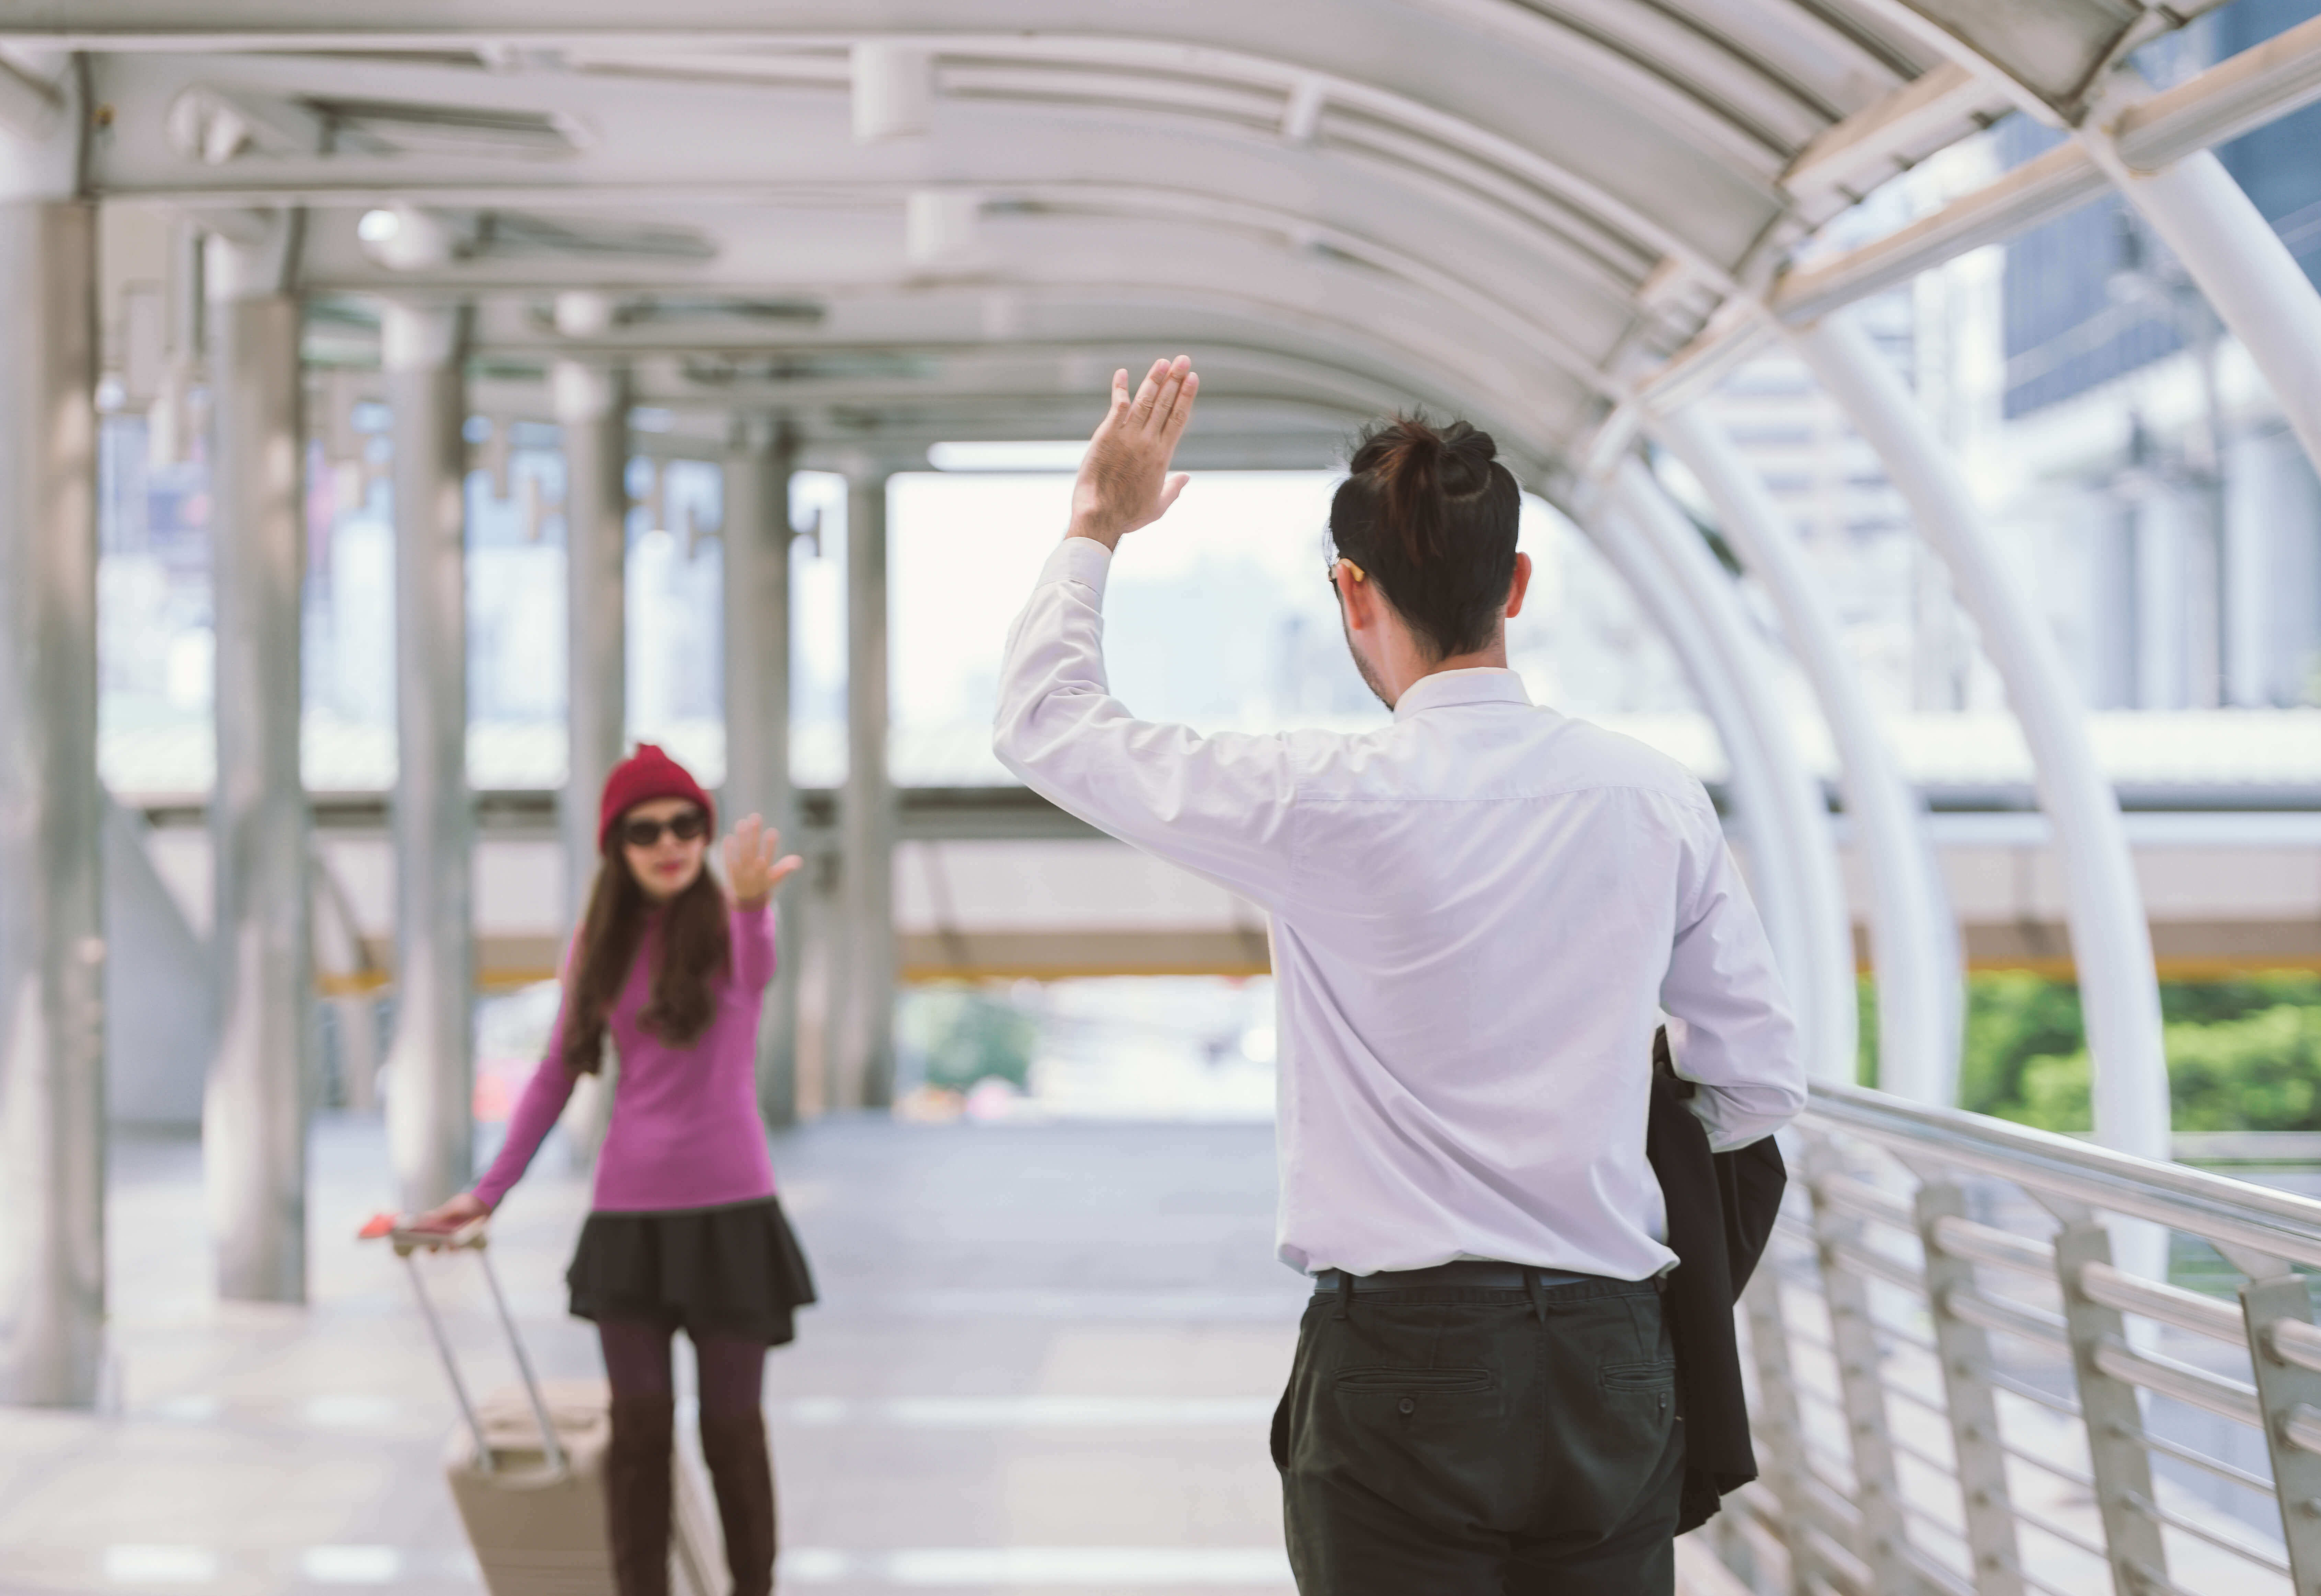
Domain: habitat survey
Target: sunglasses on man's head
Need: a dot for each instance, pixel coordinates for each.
(685, 828)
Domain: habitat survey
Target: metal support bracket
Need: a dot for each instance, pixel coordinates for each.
(2282, 1388)
(2120, 1461)
(1964, 1351)
(1884, 1544)
(1781, 1437)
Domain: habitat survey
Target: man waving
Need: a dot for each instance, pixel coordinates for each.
(1480, 911)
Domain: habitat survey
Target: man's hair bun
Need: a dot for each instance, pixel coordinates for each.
(1423, 504)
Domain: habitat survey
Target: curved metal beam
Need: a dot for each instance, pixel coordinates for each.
(2111, 938)
(1213, 243)
(1912, 938)
(1446, 348)
(1812, 932)
(2242, 266)
(1774, 879)
(1756, 121)
(1503, 401)
(1160, 61)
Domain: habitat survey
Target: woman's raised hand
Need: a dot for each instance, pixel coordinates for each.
(751, 864)
(1125, 482)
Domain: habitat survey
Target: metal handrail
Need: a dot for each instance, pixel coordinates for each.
(2167, 1304)
(2164, 1377)
(2295, 1343)
(2177, 1195)
(1979, 1244)
(1965, 1304)
(2008, 1318)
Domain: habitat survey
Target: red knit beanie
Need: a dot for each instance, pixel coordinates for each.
(644, 775)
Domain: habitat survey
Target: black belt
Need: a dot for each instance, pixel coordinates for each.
(1469, 1274)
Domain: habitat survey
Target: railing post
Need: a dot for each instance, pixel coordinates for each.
(1780, 1437)
(2281, 1388)
(1964, 1351)
(2116, 1450)
(1854, 1339)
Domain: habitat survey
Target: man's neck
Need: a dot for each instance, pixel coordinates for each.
(1493, 657)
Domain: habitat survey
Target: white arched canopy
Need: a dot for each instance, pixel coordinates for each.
(1557, 217)
(1553, 218)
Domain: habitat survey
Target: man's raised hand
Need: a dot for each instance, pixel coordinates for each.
(1124, 481)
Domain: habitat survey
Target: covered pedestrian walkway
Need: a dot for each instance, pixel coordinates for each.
(803, 238)
(1044, 1360)
(1047, 1357)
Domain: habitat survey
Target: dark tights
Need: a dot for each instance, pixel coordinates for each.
(733, 1368)
(732, 1443)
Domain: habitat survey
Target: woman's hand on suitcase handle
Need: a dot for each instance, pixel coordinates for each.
(465, 1209)
(754, 862)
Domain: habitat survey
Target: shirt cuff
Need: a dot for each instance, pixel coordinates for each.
(1083, 560)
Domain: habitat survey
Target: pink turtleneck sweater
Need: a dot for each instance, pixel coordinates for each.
(686, 1131)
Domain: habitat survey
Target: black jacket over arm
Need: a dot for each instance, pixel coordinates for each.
(1721, 1209)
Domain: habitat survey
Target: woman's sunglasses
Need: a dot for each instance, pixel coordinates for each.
(688, 827)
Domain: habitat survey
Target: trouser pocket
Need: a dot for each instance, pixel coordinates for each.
(1417, 1405)
(1610, 1394)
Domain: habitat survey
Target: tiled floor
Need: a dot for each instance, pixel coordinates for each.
(1045, 1361)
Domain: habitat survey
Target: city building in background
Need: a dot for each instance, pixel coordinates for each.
(2144, 473)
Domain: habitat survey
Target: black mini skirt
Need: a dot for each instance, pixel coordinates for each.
(735, 1270)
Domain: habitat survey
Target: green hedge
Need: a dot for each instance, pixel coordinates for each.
(964, 1034)
(2243, 1054)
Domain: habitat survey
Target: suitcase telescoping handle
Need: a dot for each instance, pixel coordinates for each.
(472, 1238)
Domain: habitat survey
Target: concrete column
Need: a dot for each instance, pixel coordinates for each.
(757, 718)
(592, 404)
(259, 1097)
(431, 1069)
(813, 910)
(865, 1061)
(52, 945)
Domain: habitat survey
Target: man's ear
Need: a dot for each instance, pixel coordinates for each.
(1359, 600)
(1519, 586)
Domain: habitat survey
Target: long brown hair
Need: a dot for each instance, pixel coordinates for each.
(695, 946)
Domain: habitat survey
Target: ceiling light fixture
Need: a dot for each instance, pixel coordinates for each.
(1061, 454)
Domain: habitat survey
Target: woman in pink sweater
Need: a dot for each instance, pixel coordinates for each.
(685, 1230)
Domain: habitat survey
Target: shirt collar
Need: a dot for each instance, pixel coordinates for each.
(1447, 688)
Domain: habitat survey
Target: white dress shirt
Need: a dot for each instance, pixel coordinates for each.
(1479, 912)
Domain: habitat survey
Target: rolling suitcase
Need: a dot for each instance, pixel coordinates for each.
(526, 1464)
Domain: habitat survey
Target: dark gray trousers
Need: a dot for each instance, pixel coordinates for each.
(1462, 1442)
